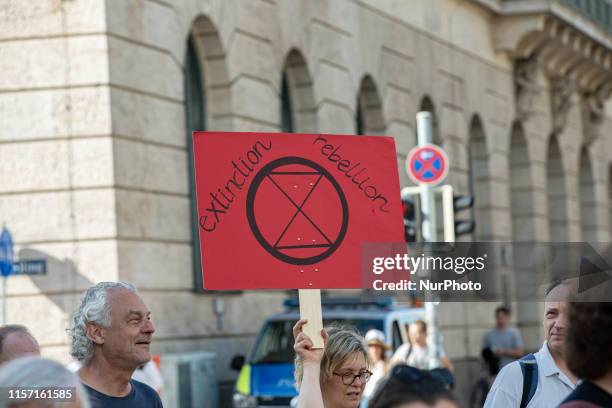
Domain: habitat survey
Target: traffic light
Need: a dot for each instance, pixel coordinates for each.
(460, 203)
(410, 219)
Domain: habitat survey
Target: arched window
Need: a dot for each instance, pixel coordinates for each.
(207, 107)
(428, 106)
(359, 117)
(195, 119)
(286, 109)
(479, 178)
(557, 197)
(297, 108)
(521, 188)
(368, 117)
(588, 205)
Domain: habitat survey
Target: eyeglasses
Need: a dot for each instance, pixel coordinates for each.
(349, 378)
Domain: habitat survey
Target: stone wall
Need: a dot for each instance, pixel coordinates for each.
(57, 192)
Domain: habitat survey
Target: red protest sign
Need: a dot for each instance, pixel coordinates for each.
(287, 211)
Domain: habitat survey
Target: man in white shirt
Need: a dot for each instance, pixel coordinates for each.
(416, 353)
(555, 381)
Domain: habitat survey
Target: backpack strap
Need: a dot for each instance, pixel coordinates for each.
(529, 368)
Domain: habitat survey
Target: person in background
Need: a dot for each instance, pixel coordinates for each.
(588, 347)
(32, 372)
(16, 341)
(333, 377)
(111, 335)
(377, 347)
(505, 343)
(409, 387)
(416, 353)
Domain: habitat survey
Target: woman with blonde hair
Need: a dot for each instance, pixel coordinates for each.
(333, 377)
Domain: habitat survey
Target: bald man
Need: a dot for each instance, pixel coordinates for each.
(16, 341)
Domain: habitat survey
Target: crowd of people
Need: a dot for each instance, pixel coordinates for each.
(111, 333)
(339, 374)
(572, 369)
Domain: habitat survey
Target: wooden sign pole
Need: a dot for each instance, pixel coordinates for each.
(310, 308)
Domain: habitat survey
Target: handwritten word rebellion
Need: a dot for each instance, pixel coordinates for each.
(221, 201)
(370, 190)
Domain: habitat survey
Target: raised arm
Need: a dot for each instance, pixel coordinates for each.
(310, 395)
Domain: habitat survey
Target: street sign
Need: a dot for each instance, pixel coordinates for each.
(9, 266)
(30, 267)
(6, 253)
(427, 164)
(292, 211)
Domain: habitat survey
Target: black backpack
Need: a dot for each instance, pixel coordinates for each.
(529, 368)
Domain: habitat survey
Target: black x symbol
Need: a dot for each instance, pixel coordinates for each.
(299, 210)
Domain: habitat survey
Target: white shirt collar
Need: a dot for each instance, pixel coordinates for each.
(549, 367)
(547, 362)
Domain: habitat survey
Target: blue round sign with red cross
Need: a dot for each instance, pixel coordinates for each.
(427, 164)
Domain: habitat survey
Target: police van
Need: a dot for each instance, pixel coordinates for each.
(266, 375)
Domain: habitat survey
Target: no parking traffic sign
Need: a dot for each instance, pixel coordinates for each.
(427, 164)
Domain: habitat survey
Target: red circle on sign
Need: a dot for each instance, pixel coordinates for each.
(427, 164)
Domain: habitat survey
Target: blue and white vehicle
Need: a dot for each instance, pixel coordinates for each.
(266, 375)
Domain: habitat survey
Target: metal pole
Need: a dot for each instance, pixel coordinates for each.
(428, 230)
(4, 278)
(449, 213)
(428, 204)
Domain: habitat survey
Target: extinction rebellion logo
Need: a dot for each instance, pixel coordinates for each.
(310, 213)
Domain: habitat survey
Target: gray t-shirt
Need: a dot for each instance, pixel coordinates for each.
(503, 339)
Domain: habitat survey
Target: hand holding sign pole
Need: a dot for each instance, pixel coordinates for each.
(310, 309)
(291, 211)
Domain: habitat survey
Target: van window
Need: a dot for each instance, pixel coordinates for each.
(361, 326)
(275, 342)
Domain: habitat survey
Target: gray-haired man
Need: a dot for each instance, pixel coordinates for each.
(111, 335)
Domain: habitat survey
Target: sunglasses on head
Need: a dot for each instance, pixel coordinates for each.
(409, 374)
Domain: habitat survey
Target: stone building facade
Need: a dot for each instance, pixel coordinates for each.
(95, 154)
